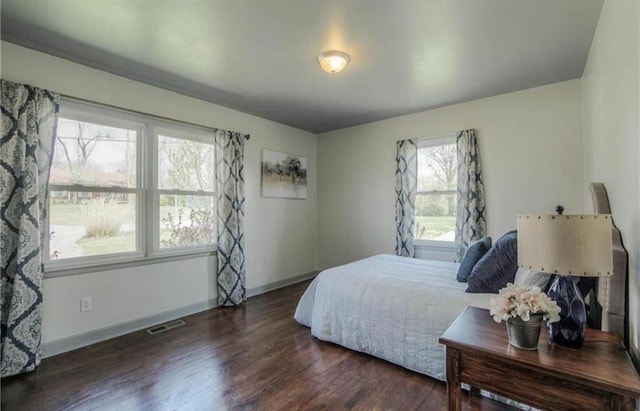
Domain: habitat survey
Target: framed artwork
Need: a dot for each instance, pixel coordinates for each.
(283, 175)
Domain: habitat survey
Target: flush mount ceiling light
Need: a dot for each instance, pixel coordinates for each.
(333, 61)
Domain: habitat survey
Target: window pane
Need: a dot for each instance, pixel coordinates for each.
(187, 220)
(437, 168)
(435, 217)
(185, 164)
(94, 155)
(87, 223)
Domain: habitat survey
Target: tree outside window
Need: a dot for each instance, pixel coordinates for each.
(435, 210)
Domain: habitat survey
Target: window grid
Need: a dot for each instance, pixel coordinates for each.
(146, 192)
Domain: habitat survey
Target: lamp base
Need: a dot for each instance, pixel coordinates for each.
(569, 331)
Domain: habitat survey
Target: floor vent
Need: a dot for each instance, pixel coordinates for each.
(156, 329)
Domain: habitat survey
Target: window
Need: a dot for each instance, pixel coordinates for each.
(186, 195)
(435, 210)
(125, 187)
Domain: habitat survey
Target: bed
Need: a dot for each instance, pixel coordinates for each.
(396, 308)
(385, 314)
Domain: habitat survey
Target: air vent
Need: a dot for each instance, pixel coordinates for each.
(156, 329)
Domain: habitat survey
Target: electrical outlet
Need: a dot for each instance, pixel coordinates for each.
(86, 304)
(259, 268)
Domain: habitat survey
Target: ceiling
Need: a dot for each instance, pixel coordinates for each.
(259, 56)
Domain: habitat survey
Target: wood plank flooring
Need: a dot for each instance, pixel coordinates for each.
(251, 358)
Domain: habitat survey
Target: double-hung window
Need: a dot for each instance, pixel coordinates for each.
(126, 187)
(435, 210)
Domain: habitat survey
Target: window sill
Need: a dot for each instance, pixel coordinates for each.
(431, 245)
(434, 250)
(54, 272)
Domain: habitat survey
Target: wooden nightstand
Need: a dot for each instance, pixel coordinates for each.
(598, 376)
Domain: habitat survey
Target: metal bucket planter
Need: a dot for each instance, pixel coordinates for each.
(524, 334)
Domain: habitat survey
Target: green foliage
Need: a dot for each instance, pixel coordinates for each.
(167, 201)
(432, 227)
(436, 205)
(197, 229)
(431, 209)
(171, 200)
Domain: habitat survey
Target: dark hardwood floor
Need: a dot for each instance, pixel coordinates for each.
(251, 358)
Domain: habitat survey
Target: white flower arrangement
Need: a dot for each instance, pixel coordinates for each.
(523, 301)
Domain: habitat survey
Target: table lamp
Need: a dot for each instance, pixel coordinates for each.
(569, 246)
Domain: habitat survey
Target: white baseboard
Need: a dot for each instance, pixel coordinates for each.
(279, 284)
(51, 348)
(55, 347)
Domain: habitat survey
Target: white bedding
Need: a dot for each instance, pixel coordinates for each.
(394, 308)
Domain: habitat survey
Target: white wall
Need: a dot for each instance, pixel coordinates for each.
(611, 105)
(531, 152)
(280, 234)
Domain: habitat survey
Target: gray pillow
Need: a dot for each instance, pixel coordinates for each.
(497, 267)
(473, 254)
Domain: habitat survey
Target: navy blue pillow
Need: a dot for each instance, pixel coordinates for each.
(497, 267)
(473, 254)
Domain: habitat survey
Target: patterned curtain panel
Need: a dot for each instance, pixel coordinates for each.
(230, 219)
(406, 189)
(29, 117)
(470, 219)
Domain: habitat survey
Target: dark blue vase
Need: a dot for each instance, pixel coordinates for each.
(569, 331)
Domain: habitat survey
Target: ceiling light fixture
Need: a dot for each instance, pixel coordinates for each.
(333, 61)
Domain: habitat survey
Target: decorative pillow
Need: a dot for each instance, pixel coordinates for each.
(497, 267)
(473, 254)
(526, 276)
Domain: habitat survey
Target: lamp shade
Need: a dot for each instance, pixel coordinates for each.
(575, 245)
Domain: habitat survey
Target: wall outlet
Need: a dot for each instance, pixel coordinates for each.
(86, 304)
(259, 268)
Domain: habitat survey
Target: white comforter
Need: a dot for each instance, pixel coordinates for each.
(394, 308)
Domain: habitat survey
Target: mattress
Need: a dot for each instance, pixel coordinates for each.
(391, 307)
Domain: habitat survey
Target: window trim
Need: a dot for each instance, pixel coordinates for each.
(424, 142)
(116, 265)
(438, 140)
(146, 190)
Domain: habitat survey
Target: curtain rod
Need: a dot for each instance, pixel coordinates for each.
(141, 113)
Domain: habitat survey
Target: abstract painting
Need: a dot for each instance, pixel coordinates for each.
(283, 175)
